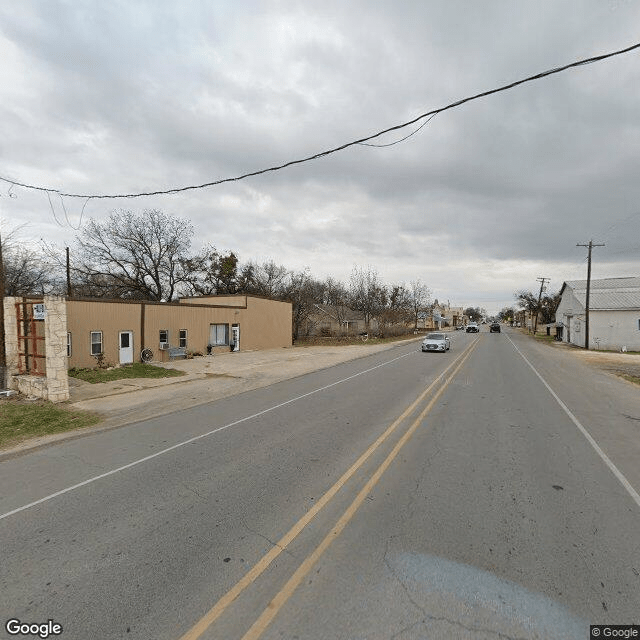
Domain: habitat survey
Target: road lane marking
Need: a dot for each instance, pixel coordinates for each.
(221, 605)
(612, 467)
(195, 438)
(274, 606)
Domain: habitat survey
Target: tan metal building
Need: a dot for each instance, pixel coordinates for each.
(121, 329)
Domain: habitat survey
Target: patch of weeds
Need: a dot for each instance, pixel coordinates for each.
(543, 337)
(630, 378)
(135, 370)
(20, 420)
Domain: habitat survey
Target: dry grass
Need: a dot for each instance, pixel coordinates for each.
(135, 370)
(21, 419)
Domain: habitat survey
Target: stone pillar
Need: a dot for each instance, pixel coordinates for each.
(55, 386)
(11, 338)
(55, 332)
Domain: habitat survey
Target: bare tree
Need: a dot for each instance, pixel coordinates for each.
(548, 304)
(394, 307)
(419, 299)
(366, 293)
(335, 296)
(268, 279)
(135, 256)
(303, 292)
(25, 270)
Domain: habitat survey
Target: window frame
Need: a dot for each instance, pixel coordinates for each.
(160, 340)
(225, 338)
(182, 339)
(69, 344)
(91, 343)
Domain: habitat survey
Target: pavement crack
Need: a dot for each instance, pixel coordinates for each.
(426, 616)
(399, 580)
(271, 542)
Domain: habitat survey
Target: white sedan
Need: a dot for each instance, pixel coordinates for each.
(436, 342)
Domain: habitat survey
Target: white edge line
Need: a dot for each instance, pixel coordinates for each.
(616, 472)
(190, 440)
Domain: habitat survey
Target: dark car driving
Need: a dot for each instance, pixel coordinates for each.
(494, 327)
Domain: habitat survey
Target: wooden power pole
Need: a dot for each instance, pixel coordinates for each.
(69, 291)
(590, 246)
(535, 320)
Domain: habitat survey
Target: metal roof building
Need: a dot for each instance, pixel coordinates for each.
(614, 313)
(609, 293)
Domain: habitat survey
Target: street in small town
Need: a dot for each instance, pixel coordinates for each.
(491, 490)
(319, 321)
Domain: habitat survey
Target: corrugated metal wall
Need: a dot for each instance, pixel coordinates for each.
(264, 324)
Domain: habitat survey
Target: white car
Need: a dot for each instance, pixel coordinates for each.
(436, 342)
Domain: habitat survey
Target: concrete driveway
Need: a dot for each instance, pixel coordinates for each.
(208, 378)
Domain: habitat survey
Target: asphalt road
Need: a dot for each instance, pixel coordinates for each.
(490, 492)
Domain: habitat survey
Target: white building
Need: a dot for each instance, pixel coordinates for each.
(614, 316)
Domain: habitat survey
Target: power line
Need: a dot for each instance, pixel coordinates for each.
(342, 147)
(413, 133)
(542, 288)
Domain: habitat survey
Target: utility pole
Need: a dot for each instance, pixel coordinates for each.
(535, 322)
(586, 323)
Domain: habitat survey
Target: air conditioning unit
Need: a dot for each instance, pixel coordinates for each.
(164, 346)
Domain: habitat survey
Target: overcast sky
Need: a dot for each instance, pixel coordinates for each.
(123, 97)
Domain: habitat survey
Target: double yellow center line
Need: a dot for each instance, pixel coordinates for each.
(285, 593)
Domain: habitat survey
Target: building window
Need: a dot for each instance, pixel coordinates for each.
(638, 324)
(96, 343)
(68, 344)
(219, 334)
(183, 338)
(164, 337)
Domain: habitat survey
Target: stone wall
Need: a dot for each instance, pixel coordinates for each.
(55, 385)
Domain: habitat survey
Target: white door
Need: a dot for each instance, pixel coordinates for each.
(126, 347)
(235, 336)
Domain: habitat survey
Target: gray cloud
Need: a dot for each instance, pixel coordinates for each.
(137, 96)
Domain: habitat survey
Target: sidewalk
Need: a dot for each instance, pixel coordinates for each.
(206, 379)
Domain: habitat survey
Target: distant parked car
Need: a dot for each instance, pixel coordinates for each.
(473, 327)
(494, 327)
(436, 342)
(460, 327)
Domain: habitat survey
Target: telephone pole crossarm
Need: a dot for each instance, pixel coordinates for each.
(535, 321)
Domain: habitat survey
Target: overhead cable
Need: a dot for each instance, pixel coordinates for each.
(342, 147)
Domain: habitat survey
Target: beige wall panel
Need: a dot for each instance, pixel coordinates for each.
(194, 319)
(83, 317)
(265, 324)
(228, 301)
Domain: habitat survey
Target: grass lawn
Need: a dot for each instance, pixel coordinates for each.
(21, 420)
(135, 370)
(544, 337)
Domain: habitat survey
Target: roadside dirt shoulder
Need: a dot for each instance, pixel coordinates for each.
(621, 364)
